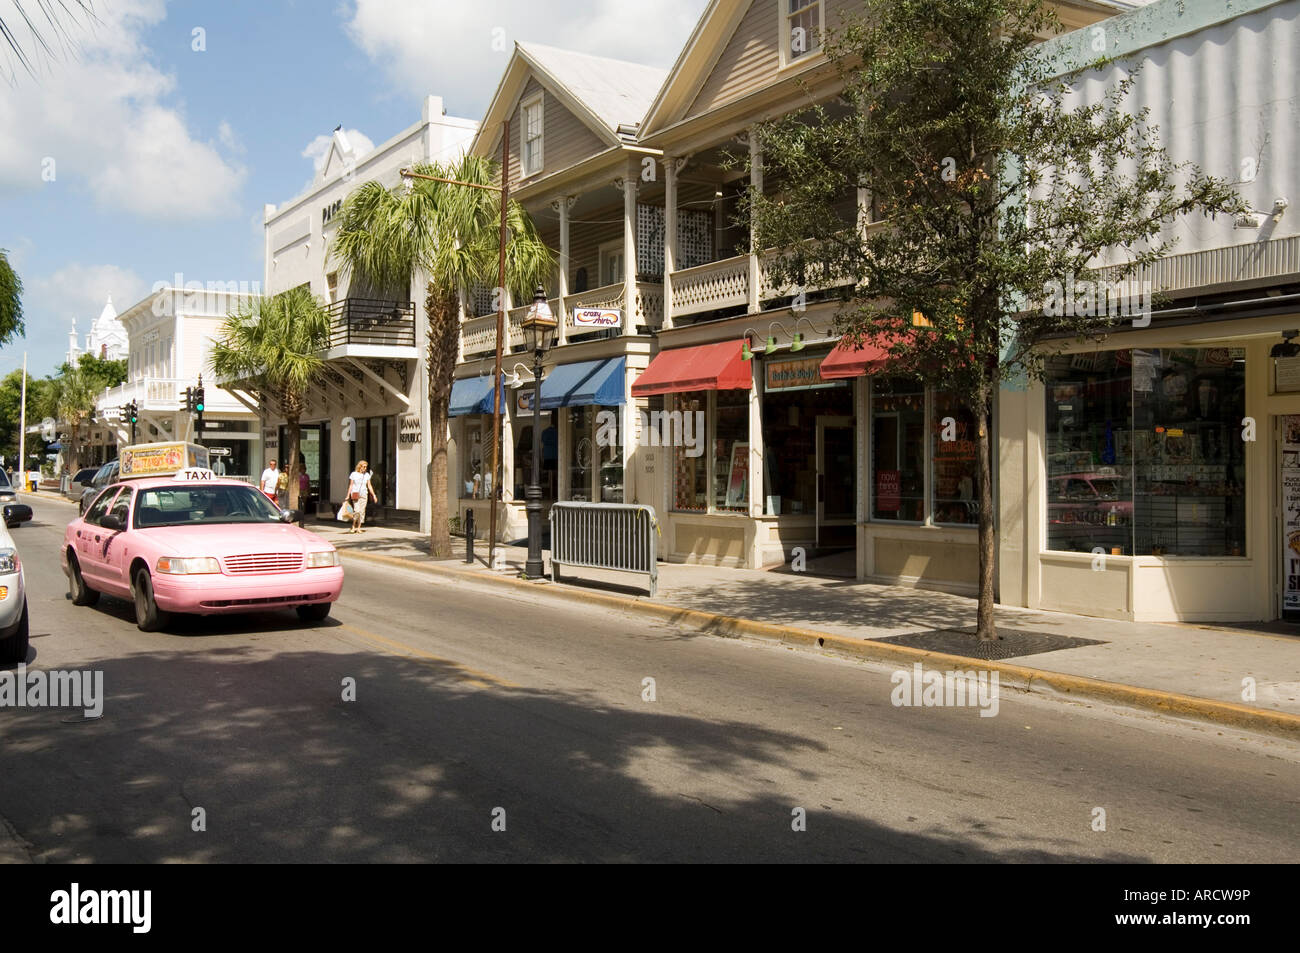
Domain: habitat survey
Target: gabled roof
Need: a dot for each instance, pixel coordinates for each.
(715, 28)
(605, 94)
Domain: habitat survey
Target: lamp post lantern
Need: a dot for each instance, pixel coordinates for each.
(537, 326)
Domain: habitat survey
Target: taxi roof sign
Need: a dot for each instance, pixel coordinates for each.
(195, 474)
(161, 459)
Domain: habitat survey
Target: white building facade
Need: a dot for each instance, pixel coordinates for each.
(170, 338)
(370, 402)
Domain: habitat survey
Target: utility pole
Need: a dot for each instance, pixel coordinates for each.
(22, 430)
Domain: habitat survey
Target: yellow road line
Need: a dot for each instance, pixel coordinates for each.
(470, 675)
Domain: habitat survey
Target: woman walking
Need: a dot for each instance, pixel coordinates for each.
(358, 489)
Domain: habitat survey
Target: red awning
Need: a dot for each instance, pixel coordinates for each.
(849, 361)
(707, 367)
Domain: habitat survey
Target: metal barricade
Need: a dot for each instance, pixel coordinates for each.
(619, 536)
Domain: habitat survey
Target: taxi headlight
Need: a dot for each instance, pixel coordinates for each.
(187, 566)
(322, 560)
(9, 560)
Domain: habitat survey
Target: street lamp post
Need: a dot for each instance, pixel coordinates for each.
(538, 326)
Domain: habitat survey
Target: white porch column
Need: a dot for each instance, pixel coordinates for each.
(756, 187)
(631, 180)
(672, 165)
(562, 286)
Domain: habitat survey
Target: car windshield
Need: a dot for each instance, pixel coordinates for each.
(4, 479)
(191, 505)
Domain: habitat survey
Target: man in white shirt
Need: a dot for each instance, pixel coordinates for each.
(269, 477)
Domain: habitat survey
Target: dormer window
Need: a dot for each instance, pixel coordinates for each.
(531, 134)
(802, 22)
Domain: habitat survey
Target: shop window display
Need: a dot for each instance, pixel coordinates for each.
(690, 470)
(898, 450)
(475, 466)
(954, 461)
(731, 452)
(580, 453)
(1144, 452)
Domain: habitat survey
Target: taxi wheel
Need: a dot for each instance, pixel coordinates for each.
(82, 594)
(316, 612)
(148, 617)
(14, 648)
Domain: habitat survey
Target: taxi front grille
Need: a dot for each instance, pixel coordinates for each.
(264, 563)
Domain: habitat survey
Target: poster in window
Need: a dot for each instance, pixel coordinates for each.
(738, 481)
(889, 491)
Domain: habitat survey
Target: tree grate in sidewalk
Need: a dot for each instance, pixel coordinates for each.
(1013, 644)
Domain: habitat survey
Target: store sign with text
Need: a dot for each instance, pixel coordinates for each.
(597, 318)
(794, 372)
(409, 429)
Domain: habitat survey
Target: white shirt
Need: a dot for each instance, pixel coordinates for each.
(358, 483)
(269, 476)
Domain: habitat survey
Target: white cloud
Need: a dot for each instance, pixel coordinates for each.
(50, 302)
(107, 120)
(447, 49)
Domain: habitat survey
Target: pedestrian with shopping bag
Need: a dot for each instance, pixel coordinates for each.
(359, 489)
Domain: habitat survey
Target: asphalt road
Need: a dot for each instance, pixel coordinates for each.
(473, 707)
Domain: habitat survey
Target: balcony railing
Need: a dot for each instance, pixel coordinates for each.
(479, 334)
(725, 284)
(152, 393)
(372, 321)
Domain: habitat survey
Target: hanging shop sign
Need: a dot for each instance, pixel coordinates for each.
(597, 318)
(408, 431)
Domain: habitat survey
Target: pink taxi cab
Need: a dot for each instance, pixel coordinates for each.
(195, 543)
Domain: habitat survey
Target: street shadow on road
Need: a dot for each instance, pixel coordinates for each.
(417, 766)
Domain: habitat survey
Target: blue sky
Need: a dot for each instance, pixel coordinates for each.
(163, 155)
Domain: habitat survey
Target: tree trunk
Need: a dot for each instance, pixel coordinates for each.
(985, 628)
(291, 443)
(443, 313)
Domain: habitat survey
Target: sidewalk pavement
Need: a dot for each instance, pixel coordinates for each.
(1198, 670)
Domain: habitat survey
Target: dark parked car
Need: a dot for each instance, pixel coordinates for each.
(107, 474)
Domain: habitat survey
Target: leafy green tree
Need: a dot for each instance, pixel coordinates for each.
(452, 233)
(274, 345)
(70, 399)
(11, 301)
(11, 391)
(992, 188)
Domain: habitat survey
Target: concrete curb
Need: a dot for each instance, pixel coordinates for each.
(1017, 677)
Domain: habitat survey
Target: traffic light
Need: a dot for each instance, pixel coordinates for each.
(189, 400)
(198, 397)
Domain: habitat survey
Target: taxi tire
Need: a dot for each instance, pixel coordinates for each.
(14, 648)
(316, 612)
(82, 594)
(148, 617)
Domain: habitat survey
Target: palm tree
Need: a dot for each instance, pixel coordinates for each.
(57, 13)
(452, 233)
(70, 400)
(11, 301)
(273, 345)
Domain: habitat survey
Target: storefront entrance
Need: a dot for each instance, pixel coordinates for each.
(1289, 506)
(836, 484)
(314, 457)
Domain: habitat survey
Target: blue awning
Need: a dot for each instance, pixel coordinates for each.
(473, 395)
(54, 446)
(591, 382)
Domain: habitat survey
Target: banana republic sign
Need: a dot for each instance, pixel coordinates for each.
(408, 431)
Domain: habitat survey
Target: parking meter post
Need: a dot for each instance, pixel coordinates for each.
(469, 536)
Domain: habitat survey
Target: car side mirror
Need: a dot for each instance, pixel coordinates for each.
(290, 516)
(15, 513)
(109, 521)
